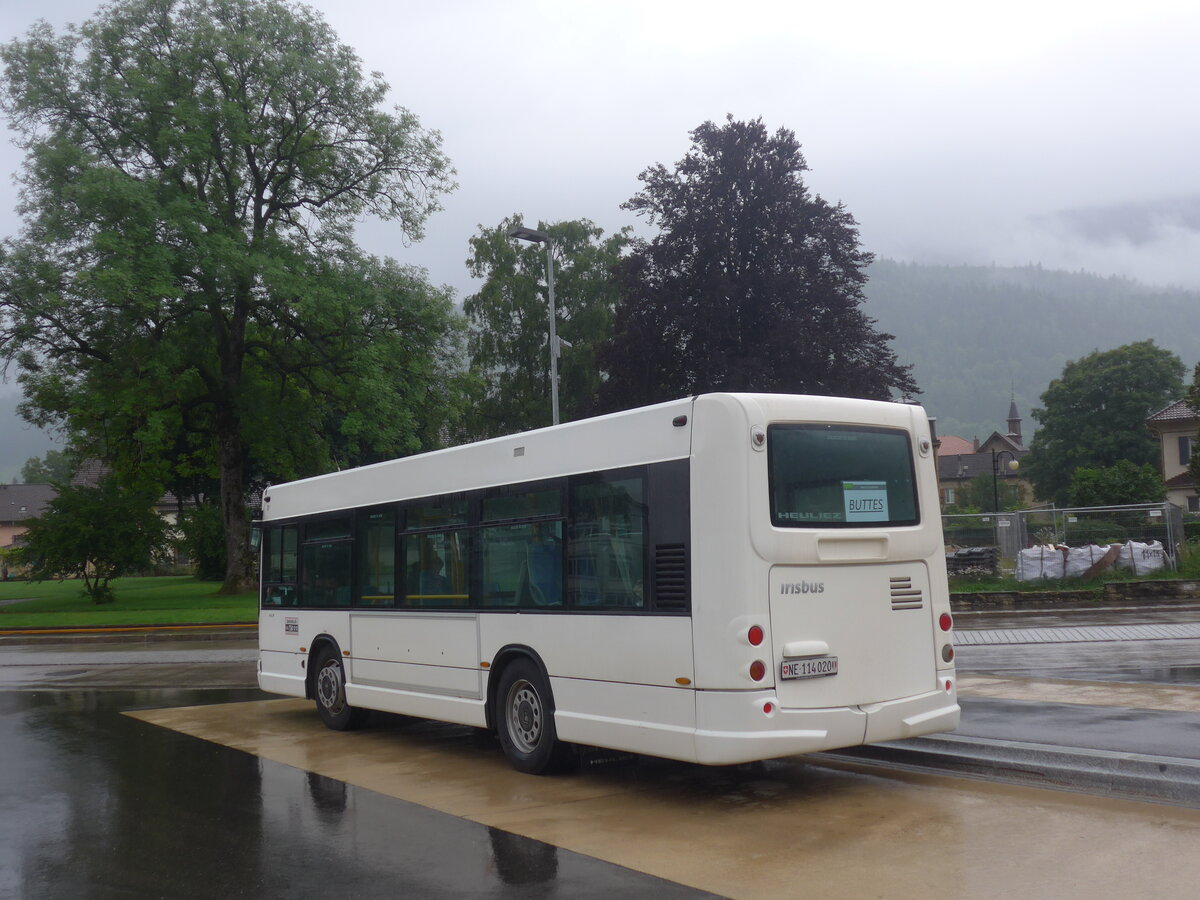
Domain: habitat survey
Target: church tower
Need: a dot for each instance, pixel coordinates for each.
(1014, 423)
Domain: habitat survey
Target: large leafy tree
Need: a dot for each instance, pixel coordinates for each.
(509, 317)
(752, 282)
(1094, 414)
(186, 298)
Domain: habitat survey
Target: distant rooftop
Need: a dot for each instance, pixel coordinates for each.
(953, 445)
(21, 502)
(1179, 411)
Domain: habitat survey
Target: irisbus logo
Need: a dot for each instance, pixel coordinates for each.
(802, 587)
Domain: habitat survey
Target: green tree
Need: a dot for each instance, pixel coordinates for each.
(56, 467)
(752, 282)
(1094, 414)
(1121, 483)
(509, 318)
(186, 297)
(95, 533)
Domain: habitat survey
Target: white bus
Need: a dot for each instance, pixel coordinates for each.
(720, 579)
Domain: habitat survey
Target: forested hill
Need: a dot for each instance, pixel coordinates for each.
(975, 333)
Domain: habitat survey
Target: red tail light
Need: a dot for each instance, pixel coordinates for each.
(945, 622)
(754, 635)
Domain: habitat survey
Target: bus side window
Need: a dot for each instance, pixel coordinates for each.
(522, 565)
(436, 569)
(377, 559)
(607, 552)
(279, 566)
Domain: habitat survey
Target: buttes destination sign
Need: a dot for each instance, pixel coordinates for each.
(866, 501)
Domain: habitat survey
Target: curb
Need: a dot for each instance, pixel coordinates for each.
(1129, 776)
(127, 633)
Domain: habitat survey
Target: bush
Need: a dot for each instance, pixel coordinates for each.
(94, 533)
(203, 540)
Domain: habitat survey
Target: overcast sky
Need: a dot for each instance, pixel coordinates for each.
(1059, 133)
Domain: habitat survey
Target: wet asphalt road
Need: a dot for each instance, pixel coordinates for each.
(99, 805)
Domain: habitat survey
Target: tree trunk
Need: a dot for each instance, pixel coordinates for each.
(239, 563)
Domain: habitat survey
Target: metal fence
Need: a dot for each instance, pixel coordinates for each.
(1010, 532)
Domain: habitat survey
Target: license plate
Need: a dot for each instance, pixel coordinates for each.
(808, 668)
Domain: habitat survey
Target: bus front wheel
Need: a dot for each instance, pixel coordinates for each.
(329, 689)
(525, 721)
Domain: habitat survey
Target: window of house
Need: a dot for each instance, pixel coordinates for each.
(1193, 504)
(1185, 450)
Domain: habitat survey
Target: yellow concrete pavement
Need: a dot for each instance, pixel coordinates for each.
(783, 829)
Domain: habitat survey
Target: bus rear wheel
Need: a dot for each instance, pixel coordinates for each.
(329, 689)
(524, 717)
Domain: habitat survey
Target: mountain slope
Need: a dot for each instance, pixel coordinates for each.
(975, 334)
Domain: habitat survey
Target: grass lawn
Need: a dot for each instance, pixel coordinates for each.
(167, 600)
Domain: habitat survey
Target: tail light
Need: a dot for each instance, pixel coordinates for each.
(758, 670)
(945, 622)
(755, 635)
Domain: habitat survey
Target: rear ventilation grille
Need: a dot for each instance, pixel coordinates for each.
(904, 595)
(670, 576)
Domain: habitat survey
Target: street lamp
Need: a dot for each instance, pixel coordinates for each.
(1013, 465)
(520, 232)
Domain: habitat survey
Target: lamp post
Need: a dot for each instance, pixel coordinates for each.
(1013, 465)
(520, 232)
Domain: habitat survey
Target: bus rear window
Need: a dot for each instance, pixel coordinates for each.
(840, 476)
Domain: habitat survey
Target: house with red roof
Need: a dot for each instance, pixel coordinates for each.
(1177, 427)
(960, 461)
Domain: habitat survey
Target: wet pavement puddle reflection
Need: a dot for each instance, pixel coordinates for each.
(777, 829)
(99, 804)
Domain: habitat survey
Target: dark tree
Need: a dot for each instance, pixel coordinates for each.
(751, 284)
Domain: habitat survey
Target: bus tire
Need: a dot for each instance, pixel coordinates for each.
(524, 719)
(329, 690)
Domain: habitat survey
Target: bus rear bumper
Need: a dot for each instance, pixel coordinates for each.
(908, 717)
(755, 732)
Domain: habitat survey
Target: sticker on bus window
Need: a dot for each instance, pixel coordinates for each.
(866, 501)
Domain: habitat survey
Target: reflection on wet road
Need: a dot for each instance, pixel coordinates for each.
(784, 828)
(98, 804)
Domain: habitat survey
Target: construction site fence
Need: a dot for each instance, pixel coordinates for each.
(968, 536)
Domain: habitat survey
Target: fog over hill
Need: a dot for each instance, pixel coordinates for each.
(978, 334)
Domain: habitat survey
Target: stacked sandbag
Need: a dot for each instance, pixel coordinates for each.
(1041, 561)
(1142, 559)
(1080, 559)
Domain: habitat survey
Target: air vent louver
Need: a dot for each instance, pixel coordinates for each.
(670, 576)
(904, 595)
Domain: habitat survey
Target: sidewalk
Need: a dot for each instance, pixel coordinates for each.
(1118, 738)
